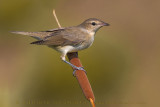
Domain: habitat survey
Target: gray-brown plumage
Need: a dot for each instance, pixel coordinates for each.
(69, 39)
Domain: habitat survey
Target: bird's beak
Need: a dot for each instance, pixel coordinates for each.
(105, 24)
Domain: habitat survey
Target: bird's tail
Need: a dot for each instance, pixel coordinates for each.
(36, 35)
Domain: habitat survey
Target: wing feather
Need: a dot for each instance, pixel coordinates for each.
(70, 36)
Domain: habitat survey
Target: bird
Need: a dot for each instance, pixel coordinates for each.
(68, 39)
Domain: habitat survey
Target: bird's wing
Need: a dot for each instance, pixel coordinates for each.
(70, 36)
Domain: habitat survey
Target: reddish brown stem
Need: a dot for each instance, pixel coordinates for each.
(81, 76)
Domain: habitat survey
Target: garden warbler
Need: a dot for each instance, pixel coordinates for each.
(68, 39)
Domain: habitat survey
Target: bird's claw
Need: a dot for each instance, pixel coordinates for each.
(78, 68)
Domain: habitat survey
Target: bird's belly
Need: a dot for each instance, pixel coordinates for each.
(70, 48)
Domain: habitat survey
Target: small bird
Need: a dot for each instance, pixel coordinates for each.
(68, 39)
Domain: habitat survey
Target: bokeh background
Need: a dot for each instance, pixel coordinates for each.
(123, 64)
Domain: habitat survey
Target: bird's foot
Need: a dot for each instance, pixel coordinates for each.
(75, 67)
(78, 68)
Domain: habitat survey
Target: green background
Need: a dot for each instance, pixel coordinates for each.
(122, 65)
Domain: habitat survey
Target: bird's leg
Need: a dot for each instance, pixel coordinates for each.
(76, 68)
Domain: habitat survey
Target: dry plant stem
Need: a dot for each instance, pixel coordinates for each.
(80, 75)
(54, 13)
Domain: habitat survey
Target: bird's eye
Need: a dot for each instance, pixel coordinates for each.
(93, 23)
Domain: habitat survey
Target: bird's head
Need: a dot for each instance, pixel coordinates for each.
(93, 24)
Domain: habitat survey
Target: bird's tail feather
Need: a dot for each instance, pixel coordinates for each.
(23, 33)
(36, 35)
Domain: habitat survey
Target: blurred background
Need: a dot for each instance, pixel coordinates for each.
(123, 64)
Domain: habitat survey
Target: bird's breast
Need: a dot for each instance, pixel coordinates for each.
(86, 44)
